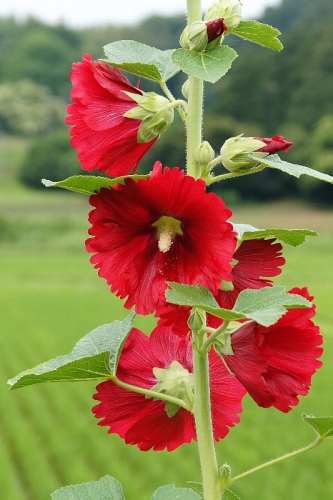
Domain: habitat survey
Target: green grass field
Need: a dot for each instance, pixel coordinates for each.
(51, 296)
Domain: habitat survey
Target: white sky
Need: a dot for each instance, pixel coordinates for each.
(81, 13)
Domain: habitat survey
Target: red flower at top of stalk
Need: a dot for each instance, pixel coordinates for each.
(159, 229)
(106, 118)
(254, 262)
(163, 363)
(274, 144)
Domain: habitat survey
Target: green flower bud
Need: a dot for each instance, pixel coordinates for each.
(195, 37)
(235, 153)
(197, 320)
(155, 114)
(229, 10)
(204, 153)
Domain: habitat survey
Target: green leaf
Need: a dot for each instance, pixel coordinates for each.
(267, 305)
(107, 488)
(88, 184)
(274, 161)
(94, 357)
(209, 66)
(229, 495)
(292, 237)
(190, 295)
(256, 32)
(323, 426)
(170, 491)
(141, 60)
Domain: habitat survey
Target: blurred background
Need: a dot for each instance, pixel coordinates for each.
(51, 296)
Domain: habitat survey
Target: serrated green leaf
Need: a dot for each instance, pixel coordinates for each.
(229, 495)
(323, 426)
(94, 357)
(171, 491)
(267, 305)
(293, 237)
(88, 184)
(274, 161)
(209, 66)
(190, 295)
(141, 60)
(107, 488)
(260, 33)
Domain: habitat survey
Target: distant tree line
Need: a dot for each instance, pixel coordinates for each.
(266, 93)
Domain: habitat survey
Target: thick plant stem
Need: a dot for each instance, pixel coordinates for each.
(195, 103)
(204, 428)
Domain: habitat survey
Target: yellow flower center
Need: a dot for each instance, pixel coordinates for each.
(167, 228)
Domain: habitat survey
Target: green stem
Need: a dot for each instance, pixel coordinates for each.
(204, 428)
(295, 453)
(151, 394)
(206, 345)
(235, 174)
(195, 103)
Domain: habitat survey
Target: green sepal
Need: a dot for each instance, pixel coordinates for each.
(210, 66)
(171, 491)
(107, 488)
(260, 33)
(274, 161)
(323, 426)
(265, 305)
(89, 184)
(94, 357)
(141, 60)
(293, 237)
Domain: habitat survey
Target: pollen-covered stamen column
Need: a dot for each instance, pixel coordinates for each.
(202, 404)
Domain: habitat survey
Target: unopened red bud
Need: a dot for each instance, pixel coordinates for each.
(215, 29)
(274, 144)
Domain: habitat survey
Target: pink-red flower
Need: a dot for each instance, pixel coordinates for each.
(274, 144)
(144, 421)
(105, 139)
(215, 28)
(276, 363)
(164, 228)
(254, 262)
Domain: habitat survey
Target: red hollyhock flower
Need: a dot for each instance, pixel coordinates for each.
(275, 144)
(164, 228)
(275, 364)
(145, 422)
(104, 138)
(254, 262)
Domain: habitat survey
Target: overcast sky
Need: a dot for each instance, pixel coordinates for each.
(81, 13)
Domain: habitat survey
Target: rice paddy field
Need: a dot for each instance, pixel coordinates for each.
(51, 296)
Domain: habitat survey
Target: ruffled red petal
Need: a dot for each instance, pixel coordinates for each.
(125, 241)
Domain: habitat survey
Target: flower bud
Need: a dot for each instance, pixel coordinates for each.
(204, 153)
(235, 152)
(197, 320)
(229, 10)
(195, 37)
(199, 35)
(154, 112)
(275, 144)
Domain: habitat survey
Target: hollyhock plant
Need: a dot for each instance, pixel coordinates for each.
(105, 135)
(254, 262)
(275, 364)
(164, 228)
(163, 363)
